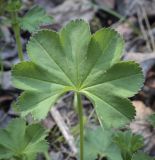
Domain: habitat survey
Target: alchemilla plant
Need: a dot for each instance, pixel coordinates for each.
(88, 65)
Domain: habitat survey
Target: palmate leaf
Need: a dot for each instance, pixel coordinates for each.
(35, 18)
(19, 140)
(100, 145)
(128, 143)
(75, 60)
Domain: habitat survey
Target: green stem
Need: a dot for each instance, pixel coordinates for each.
(16, 29)
(80, 111)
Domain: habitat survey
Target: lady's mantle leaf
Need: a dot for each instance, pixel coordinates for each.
(75, 60)
(128, 143)
(20, 140)
(35, 18)
(100, 145)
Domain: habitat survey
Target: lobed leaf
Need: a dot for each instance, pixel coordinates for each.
(75, 60)
(100, 145)
(35, 18)
(128, 143)
(19, 140)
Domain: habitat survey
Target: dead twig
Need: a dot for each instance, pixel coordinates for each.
(64, 129)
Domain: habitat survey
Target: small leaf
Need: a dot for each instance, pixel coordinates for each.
(128, 143)
(19, 140)
(13, 5)
(98, 142)
(75, 60)
(142, 156)
(35, 18)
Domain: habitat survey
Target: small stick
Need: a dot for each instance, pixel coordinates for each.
(64, 129)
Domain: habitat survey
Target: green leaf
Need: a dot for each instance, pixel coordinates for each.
(128, 143)
(142, 156)
(100, 145)
(13, 5)
(19, 140)
(35, 18)
(75, 60)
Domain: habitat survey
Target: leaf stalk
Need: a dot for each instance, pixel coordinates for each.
(16, 30)
(80, 111)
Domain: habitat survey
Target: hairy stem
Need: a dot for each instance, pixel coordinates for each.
(16, 29)
(80, 111)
